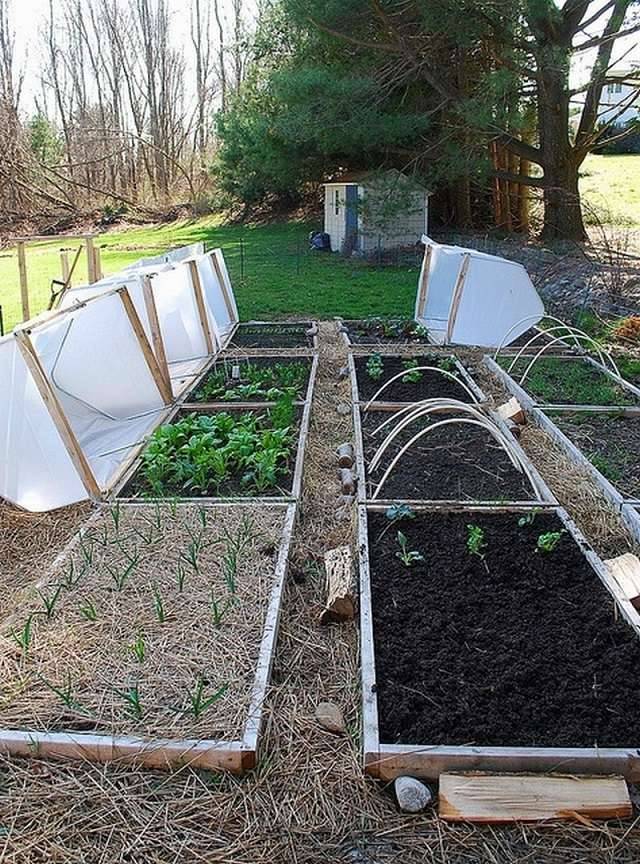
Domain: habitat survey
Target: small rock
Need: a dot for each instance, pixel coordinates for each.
(343, 408)
(412, 795)
(343, 373)
(330, 717)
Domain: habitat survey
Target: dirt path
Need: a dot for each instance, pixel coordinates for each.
(308, 802)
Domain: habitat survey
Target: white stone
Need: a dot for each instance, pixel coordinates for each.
(412, 795)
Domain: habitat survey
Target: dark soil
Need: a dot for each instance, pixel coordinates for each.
(138, 487)
(430, 385)
(558, 381)
(385, 331)
(226, 365)
(455, 463)
(277, 335)
(520, 648)
(611, 442)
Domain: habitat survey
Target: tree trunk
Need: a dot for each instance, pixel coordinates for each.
(562, 211)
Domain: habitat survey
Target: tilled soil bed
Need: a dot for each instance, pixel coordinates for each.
(261, 379)
(518, 647)
(611, 442)
(427, 384)
(277, 335)
(455, 463)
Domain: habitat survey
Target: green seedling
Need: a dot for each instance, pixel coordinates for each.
(528, 519)
(399, 511)
(409, 557)
(413, 374)
(71, 576)
(49, 601)
(64, 692)
(147, 538)
(547, 542)
(87, 550)
(23, 637)
(115, 515)
(132, 701)
(448, 364)
(218, 610)
(198, 702)
(137, 648)
(181, 575)
(202, 516)
(375, 367)
(120, 577)
(88, 610)
(476, 542)
(158, 605)
(191, 556)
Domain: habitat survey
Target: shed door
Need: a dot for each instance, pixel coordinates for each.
(351, 216)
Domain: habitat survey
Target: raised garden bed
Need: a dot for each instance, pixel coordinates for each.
(610, 441)
(489, 641)
(385, 331)
(453, 463)
(373, 370)
(253, 379)
(277, 334)
(569, 381)
(223, 453)
(151, 638)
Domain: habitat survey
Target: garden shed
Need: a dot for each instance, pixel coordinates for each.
(365, 212)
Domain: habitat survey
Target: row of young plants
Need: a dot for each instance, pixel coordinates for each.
(376, 367)
(88, 576)
(243, 381)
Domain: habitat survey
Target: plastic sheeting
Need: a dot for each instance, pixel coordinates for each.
(473, 298)
(96, 368)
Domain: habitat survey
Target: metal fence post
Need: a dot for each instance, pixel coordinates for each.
(1, 322)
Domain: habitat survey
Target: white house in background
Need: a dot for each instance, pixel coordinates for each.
(368, 211)
(621, 93)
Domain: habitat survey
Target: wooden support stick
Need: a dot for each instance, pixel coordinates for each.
(457, 295)
(340, 586)
(156, 334)
(424, 281)
(64, 267)
(217, 272)
(163, 385)
(76, 454)
(24, 288)
(202, 309)
(97, 266)
(91, 260)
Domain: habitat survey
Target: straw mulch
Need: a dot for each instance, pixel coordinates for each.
(155, 609)
(308, 802)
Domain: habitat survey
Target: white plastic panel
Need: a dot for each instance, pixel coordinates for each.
(178, 315)
(36, 472)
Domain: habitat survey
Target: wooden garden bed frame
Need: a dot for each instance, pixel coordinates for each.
(239, 350)
(625, 506)
(387, 761)
(182, 405)
(385, 347)
(236, 756)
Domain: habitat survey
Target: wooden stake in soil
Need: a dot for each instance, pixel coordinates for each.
(340, 586)
(529, 798)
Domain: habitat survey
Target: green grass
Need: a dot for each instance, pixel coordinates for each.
(610, 188)
(274, 274)
(570, 382)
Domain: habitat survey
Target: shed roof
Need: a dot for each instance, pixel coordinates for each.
(360, 178)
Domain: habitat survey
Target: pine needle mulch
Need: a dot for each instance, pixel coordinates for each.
(308, 802)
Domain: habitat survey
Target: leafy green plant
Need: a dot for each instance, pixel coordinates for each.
(413, 374)
(448, 364)
(137, 648)
(528, 518)
(548, 541)
(132, 701)
(120, 576)
(49, 601)
(23, 637)
(409, 557)
(88, 610)
(375, 367)
(64, 692)
(260, 382)
(476, 542)
(158, 605)
(198, 702)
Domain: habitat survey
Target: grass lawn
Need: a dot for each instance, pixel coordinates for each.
(273, 272)
(610, 186)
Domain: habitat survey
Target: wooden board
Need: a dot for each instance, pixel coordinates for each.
(625, 569)
(499, 798)
(340, 605)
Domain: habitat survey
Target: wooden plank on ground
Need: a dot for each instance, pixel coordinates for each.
(496, 798)
(625, 569)
(340, 586)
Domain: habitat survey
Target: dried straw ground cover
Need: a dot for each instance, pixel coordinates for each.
(308, 801)
(150, 625)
